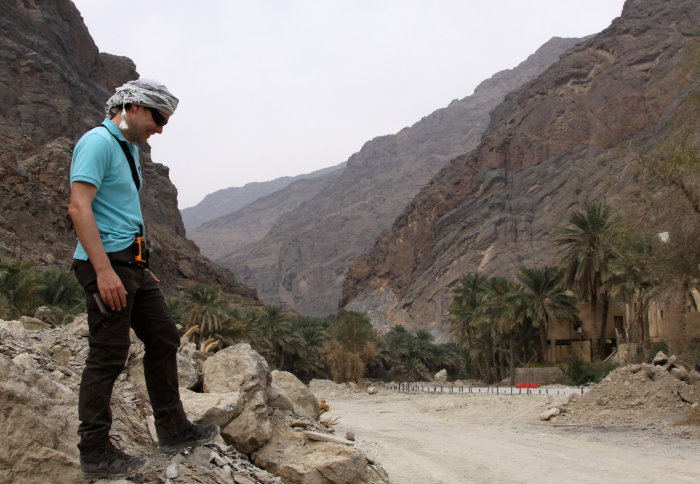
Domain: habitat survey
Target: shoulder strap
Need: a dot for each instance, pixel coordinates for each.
(129, 157)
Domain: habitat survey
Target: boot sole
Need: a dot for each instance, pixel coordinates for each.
(174, 449)
(93, 476)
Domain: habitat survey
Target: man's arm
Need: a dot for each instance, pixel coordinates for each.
(110, 286)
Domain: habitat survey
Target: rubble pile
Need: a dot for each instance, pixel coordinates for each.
(269, 430)
(661, 393)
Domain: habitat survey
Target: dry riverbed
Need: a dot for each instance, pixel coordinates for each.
(475, 438)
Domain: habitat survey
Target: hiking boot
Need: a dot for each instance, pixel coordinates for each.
(193, 435)
(105, 460)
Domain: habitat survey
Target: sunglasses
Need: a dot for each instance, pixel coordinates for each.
(158, 118)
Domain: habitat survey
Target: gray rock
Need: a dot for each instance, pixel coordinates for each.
(39, 427)
(278, 398)
(171, 471)
(303, 400)
(46, 315)
(241, 369)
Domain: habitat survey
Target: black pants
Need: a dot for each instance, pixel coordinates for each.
(147, 314)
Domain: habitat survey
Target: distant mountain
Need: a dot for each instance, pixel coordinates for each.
(560, 141)
(229, 200)
(303, 258)
(233, 232)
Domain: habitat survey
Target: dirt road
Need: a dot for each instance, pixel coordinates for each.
(469, 438)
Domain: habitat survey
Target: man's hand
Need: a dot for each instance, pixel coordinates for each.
(111, 289)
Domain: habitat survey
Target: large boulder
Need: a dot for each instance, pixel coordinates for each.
(298, 459)
(211, 408)
(278, 398)
(241, 369)
(38, 424)
(187, 375)
(303, 400)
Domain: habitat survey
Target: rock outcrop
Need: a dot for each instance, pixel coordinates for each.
(54, 86)
(303, 258)
(564, 139)
(39, 380)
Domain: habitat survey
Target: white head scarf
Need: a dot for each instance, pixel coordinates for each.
(145, 92)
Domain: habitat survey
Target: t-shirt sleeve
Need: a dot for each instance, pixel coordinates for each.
(91, 158)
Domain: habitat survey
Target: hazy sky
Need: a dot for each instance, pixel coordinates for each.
(271, 88)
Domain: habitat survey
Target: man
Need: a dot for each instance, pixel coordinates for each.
(110, 262)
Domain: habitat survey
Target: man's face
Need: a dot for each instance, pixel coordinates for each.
(146, 122)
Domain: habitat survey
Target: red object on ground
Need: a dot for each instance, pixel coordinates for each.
(527, 385)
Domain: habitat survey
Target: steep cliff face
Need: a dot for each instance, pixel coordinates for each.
(302, 260)
(558, 142)
(53, 86)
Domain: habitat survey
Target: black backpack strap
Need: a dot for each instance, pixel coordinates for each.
(129, 157)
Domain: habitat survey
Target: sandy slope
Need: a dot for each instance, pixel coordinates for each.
(425, 438)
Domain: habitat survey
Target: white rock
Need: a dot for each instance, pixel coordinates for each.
(171, 471)
(552, 412)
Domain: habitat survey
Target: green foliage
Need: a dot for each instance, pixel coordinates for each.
(23, 289)
(204, 306)
(62, 293)
(545, 296)
(352, 330)
(19, 289)
(580, 373)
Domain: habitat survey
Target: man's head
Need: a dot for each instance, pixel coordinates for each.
(142, 108)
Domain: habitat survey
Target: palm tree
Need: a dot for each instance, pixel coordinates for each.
(468, 306)
(545, 297)
(508, 308)
(469, 319)
(204, 306)
(634, 279)
(425, 349)
(283, 341)
(586, 257)
(19, 288)
(62, 292)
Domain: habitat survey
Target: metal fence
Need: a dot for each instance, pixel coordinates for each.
(489, 390)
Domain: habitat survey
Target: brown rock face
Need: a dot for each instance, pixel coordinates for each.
(553, 145)
(53, 86)
(303, 258)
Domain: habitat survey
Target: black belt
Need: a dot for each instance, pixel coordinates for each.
(128, 257)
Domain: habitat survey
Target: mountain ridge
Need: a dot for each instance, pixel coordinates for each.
(229, 200)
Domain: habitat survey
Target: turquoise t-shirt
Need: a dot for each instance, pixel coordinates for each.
(99, 160)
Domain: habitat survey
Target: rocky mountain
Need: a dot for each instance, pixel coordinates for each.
(570, 136)
(302, 260)
(53, 86)
(230, 200)
(246, 227)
